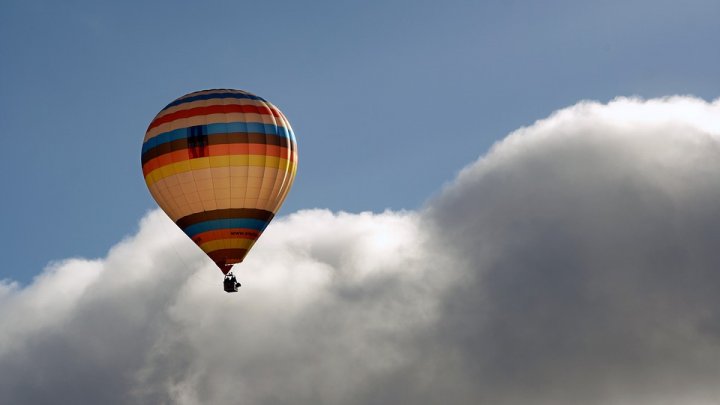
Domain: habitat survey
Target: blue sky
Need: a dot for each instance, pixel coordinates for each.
(388, 99)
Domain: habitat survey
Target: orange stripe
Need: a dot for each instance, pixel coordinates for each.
(214, 109)
(230, 233)
(219, 150)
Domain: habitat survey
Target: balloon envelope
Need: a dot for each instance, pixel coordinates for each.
(220, 164)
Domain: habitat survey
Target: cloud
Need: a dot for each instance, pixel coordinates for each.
(576, 262)
(589, 244)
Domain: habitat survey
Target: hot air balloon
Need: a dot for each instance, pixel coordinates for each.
(220, 164)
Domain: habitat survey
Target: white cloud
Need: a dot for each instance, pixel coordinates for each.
(576, 262)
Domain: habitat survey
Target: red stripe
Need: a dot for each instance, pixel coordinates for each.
(229, 233)
(223, 258)
(214, 109)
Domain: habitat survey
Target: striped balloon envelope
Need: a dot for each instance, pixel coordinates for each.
(220, 164)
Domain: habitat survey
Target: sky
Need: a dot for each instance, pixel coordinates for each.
(388, 99)
(497, 202)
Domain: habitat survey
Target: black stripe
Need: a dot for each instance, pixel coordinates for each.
(226, 213)
(234, 94)
(215, 139)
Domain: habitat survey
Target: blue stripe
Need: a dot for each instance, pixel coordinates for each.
(256, 224)
(211, 96)
(218, 129)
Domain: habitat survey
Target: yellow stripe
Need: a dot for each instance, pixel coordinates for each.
(218, 161)
(285, 189)
(252, 193)
(290, 179)
(218, 244)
